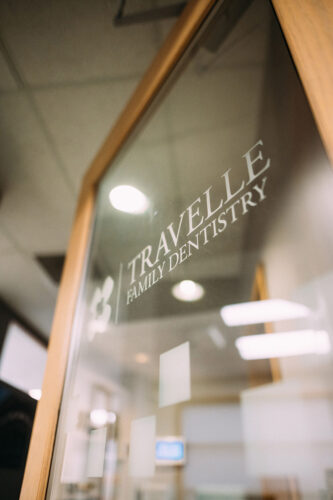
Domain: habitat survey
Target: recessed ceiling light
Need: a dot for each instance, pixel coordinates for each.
(279, 345)
(35, 394)
(100, 417)
(141, 358)
(128, 199)
(262, 311)
(188, 291)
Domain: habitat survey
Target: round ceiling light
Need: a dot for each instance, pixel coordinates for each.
(188, 291)
(141, 358)
(128, 199)
(100, 417)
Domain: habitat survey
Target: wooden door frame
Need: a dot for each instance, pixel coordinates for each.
(43, 434)
(305, 25)
(308, 28)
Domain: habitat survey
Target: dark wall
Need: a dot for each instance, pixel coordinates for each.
(17, 410)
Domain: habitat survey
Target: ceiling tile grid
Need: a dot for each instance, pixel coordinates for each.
(37, 202)
(6, 246)
(65, 75)
(7, 81)
(79, 119)
(65, 40)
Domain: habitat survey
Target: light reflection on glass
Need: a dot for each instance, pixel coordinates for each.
(142, 358)
(278, 345)
(263, 311)
(100, 417)
(128, 199)
(188, 291)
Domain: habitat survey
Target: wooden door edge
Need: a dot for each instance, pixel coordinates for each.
(308, 28)
(42, 438)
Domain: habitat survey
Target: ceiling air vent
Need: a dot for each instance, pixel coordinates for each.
(52, 265)
(146, 15)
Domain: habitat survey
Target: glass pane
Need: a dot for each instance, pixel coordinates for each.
(201, 360)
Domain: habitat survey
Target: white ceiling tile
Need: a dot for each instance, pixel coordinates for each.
(5, 245)
(67, 40)
(79, 118)
(25, 287)
(37, 203)
(7, 81)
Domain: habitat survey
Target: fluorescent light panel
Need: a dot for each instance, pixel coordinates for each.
(279, 345)
(262, 311)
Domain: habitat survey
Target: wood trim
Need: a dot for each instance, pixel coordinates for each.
(308, 28)
(261, 293)
(42, 440)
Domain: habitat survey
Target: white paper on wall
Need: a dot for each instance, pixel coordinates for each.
(22, 360)
(142, 447)
(175, 375)
(73, 467)
(96, 452)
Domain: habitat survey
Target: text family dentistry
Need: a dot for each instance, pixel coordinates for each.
(201, 221)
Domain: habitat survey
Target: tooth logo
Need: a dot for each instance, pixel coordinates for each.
(100, 308)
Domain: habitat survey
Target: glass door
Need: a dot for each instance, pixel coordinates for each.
(201, 358)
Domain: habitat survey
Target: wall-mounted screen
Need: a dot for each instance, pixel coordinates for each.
(170, 451)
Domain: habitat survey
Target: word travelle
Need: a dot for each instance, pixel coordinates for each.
(201, 221)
